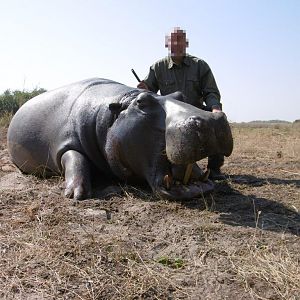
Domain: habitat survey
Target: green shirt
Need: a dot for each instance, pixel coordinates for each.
(193, 77)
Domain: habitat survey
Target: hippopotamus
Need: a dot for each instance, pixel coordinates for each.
(99, 128)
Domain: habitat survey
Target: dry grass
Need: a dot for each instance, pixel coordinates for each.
(279, 270)
(5, 119)
(241, 243)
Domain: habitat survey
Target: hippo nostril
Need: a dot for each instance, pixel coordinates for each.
(198, 123)
(195, 120)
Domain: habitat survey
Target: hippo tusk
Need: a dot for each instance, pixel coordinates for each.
(168, 181)
(188, 173)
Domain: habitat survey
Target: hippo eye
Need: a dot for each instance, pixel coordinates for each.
(143, 102)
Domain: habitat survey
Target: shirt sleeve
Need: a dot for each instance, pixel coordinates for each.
(151, 80)
(211, 94)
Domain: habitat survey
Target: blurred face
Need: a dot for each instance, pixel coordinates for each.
(177, 43)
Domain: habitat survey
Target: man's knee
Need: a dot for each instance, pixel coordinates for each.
(215, 161)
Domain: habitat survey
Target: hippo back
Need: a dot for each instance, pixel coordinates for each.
(49, 124)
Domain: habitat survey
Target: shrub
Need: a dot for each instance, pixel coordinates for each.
(5, 119)
(11, 101)
(8, 103)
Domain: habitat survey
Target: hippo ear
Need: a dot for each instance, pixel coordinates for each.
(115, 108)
(178, 96)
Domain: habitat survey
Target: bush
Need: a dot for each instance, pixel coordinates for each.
(8, 103)
(5, 119)
(11, 101)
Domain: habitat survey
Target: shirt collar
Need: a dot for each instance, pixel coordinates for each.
(171, 62)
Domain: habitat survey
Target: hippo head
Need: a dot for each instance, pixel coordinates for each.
(156, 137)
(193, 134)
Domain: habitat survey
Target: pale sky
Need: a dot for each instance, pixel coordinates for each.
(252, 46)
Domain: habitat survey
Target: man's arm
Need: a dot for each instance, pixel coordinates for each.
(211, 94)
(150, 82)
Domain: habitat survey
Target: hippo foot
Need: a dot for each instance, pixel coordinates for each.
(186, 191)
(78, 190)
(77, 175)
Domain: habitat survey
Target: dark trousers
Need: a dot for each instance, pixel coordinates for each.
(215, 161)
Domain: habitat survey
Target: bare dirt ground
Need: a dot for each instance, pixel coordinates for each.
(240, 243)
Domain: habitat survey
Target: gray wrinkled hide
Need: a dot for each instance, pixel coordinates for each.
(99, 127)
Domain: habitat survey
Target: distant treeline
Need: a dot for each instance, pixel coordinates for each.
(11, 101)
(260, 122)
(269, 121)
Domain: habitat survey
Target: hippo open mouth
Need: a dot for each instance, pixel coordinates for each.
(183, 182)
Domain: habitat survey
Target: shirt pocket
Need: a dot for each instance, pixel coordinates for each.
(193, 85)
(167, 86)
(193, 91)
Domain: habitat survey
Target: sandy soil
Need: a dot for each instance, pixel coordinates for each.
(242, 242)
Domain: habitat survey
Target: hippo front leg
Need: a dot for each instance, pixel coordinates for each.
(77, 175)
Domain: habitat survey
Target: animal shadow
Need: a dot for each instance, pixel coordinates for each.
(257, 181)
(237, 209)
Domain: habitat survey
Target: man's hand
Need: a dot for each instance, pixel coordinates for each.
(142, 85)
(216, 108)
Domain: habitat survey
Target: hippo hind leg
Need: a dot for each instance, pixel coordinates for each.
(77, 175)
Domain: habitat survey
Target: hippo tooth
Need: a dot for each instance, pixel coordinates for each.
(168, 181)
(188, 173)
